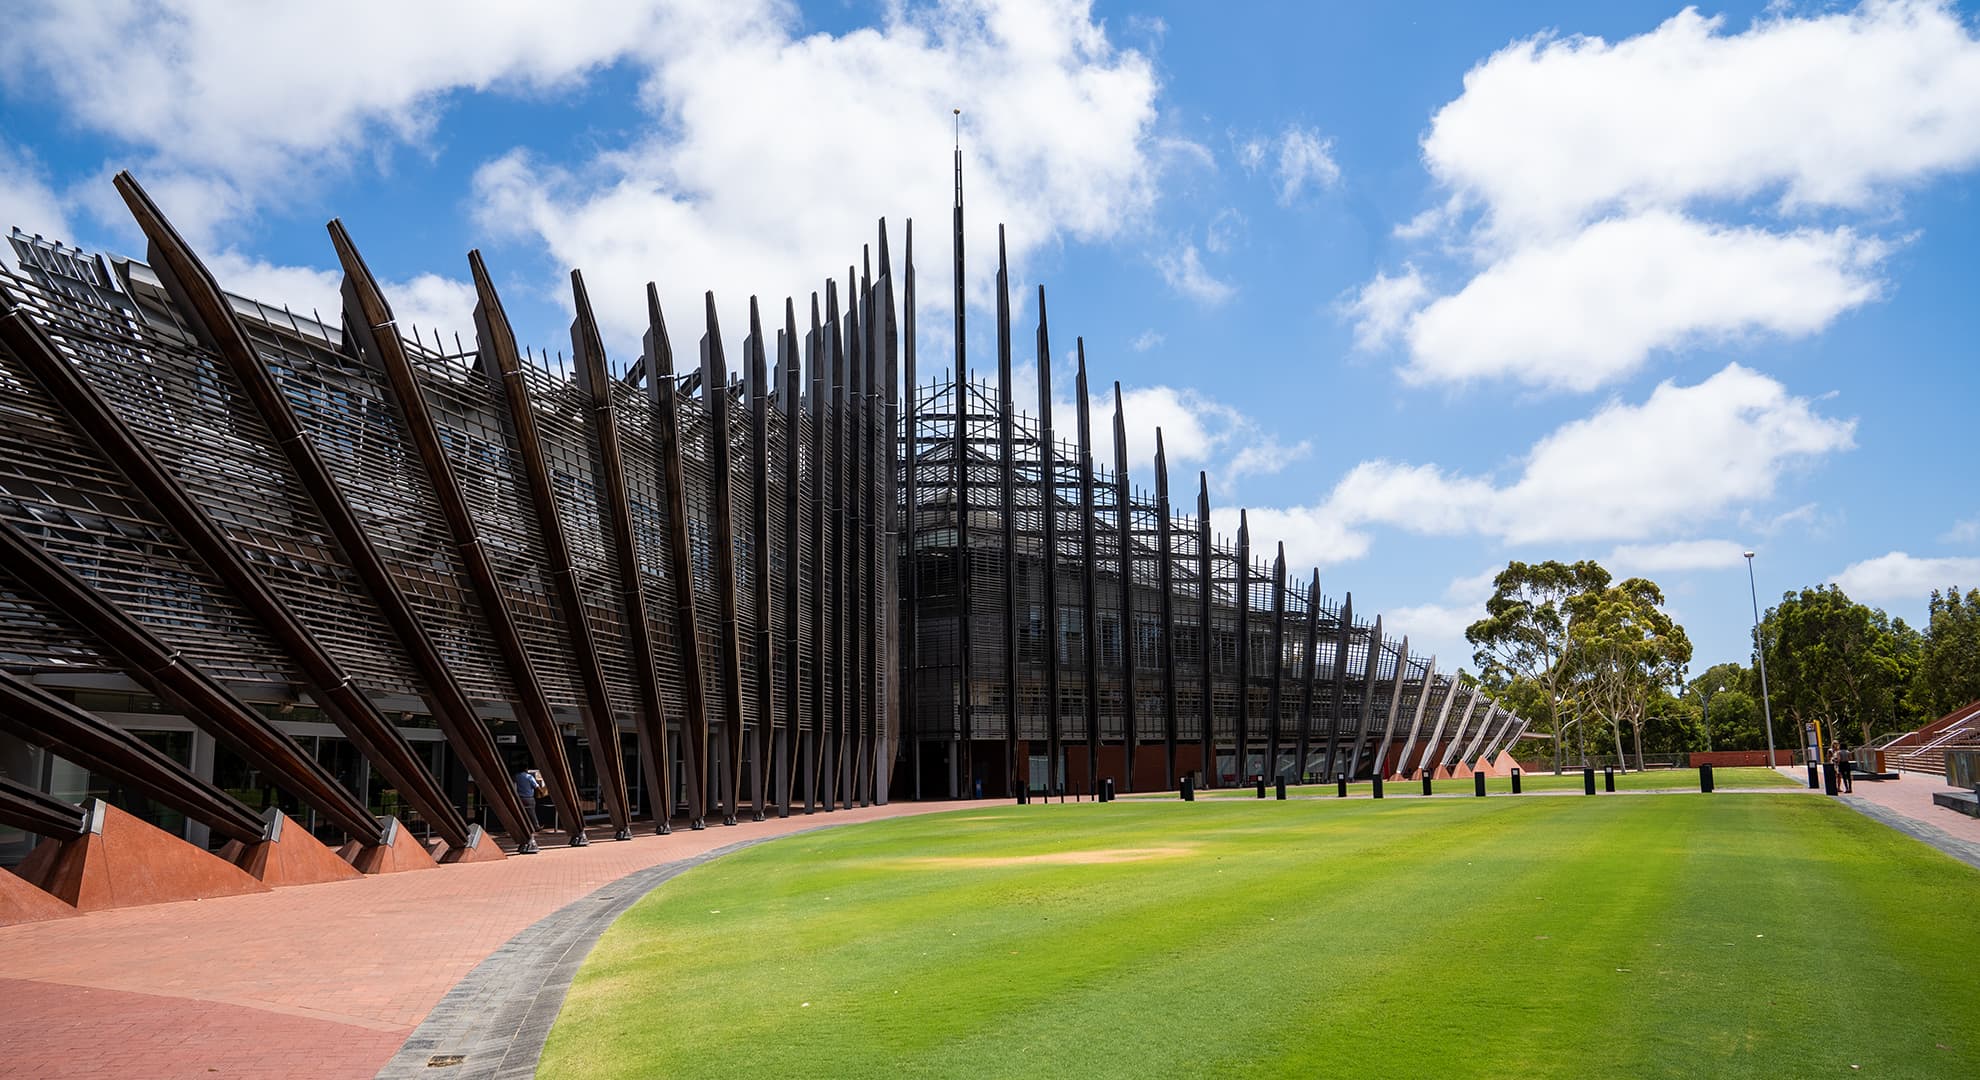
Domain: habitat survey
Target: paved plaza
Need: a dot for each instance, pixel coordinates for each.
(316, 980)
(331, 980)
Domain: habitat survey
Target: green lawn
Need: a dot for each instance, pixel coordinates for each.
(1653, 780)
(1688, 935)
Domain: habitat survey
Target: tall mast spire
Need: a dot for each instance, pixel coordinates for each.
(962, 363)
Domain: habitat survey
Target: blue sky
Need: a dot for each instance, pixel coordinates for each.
(1427, 287)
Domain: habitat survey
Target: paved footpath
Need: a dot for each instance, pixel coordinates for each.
(316, 980)
(1906, 805)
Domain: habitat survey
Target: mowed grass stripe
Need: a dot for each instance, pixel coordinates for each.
(1017, 937)
(1445, 937)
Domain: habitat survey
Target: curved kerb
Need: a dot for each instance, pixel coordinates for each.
(494, 1022)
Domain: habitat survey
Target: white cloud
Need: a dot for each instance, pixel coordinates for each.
(1582, 312)
(1900, 576)
(1964, 531)
(1306, 160)
(1828, 110)
(1675, 555)
(1146, 340)
(1301, 159)
(1807, 515)
(1615, 198)
(26, 199)
(1384, 306)
(726, 193)
(1312, 536)
(1225, 229)
(260, 102)
(1184, 272)
(1437, 629)
(1199, 433)
(1628, 472)
(428, 301)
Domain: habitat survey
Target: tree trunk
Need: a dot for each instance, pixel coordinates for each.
(1636, 729)
(1621, 758)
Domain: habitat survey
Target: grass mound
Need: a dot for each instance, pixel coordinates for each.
(1752, 935)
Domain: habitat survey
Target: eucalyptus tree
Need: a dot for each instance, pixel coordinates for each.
(1629, 649)
(1525, 633)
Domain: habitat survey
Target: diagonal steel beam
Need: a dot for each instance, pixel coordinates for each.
(369, 319)
(1166, 583)
(1007, 511)
(795, 564)
(1243, 727)
(759, 552)
(615, 514)
(197, 295)
(667, 415)
(1310, 675)
(1048, 501)
(1205, 571)
(1275, 699)
(1416, 720)
(1367, 701)
(1342, 642)
(31, 713)
(721, 498)
(910, 479)
(1089, 589)
(1395, 706)
(498, 342)
(158, 668)
(1124, 541)
(29, 810)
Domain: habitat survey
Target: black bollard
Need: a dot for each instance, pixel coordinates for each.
(1515, 779)
(1828, 779)
(1609, 778)
(1705, 779)
(1426, 781)
(1378, 785)
(1261, 786)
(1812, 782)
(1282, 789)
(1109, 790)
(1188, 790)
(1478, 784)
(1340, 786)
(1587, 781)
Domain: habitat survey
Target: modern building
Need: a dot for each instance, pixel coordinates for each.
(351, 570)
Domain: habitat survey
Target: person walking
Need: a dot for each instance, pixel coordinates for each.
(528, 786)
(1844, 766)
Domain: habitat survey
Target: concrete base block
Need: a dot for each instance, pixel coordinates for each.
(479, 849)
(290, 857)
(400, 852)
(124, 862)
(21, 902)
(1965, 802)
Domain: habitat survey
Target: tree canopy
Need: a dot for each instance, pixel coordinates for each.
(1525, 634)
(1949, 661)
(1836, 662)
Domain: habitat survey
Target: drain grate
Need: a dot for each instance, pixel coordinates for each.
(441, 1061)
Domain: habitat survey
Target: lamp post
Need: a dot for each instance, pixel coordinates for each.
(1760, 647)
(1705, 698)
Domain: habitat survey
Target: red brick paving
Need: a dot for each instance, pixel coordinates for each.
(1912, 797)
(315, 980)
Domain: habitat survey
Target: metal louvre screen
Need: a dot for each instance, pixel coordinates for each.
(443, 507)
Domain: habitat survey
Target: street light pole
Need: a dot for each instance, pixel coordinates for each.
(1705, 698)
(1760, 646)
